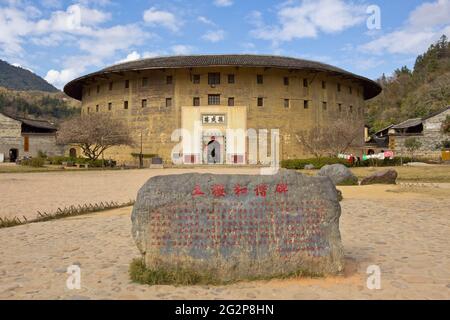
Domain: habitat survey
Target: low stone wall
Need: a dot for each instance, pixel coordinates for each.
(240, 226)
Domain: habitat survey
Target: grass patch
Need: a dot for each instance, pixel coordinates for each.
(139, 273)
(27, 169)
(66, 212)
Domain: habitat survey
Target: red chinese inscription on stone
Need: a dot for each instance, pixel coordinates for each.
(197, 191)
(281, 188)
(240, 190)
(261, 190)
(218, 190)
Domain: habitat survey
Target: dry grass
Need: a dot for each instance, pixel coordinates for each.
(7, 168)
(139, 273)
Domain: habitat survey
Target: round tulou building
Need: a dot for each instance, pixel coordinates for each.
(208, 96)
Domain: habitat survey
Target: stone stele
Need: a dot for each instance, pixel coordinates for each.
(240, 226)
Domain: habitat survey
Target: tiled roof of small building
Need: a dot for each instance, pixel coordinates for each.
(371, 88)
(408, 123)
(40, 124)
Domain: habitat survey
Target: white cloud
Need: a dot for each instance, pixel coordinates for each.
(430, 14)
(181, 49)
(214, 36)
(154, 17)
(223, 3)
(60, 78)
(308, 19)
(205, 21)
(130, 57)
(424, 26)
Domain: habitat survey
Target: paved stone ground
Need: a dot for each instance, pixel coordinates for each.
(405, 232)
(23, 194)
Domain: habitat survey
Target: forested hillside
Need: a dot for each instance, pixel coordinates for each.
(38, 104)
(16, 78)
(413, 93)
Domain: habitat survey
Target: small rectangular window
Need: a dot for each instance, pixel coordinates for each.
(340, 107)
(111, 86)
(339, 87)
(127, 84)
(169, 79)
(350, 90)
(260, 102)
(324, 85)
(351, 109)
(144, 82)
(287, 103)
(144, 103)
(305, 83)
(231, 102)
(213, 78)
(305, 104)
(259, 79)
(110, 106)
(125, 105)
(324, 106)
(196, 79)
(98, 89)
(213, 99)
(231, 78)
(97, 108)
(286, 81)
(196, 102)
(168, 102)
(89, 110)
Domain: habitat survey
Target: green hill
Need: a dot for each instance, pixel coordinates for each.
(413, 93)
(38, 104)
(16, 78)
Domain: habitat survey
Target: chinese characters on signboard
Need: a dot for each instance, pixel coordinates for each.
(213, 119)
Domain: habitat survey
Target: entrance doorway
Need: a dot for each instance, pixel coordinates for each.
(213, 148)
(73, 153)
(13, 155)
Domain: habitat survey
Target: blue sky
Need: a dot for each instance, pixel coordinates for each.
(61, 40)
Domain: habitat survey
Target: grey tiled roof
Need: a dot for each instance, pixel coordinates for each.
(41, 124)
(371, 88)
(408, 123)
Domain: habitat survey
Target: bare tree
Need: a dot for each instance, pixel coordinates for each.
(314, 141)
(338, 137)
(344, 135)
(94, 134)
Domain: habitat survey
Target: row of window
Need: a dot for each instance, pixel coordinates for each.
(214, 99)
(214, 78)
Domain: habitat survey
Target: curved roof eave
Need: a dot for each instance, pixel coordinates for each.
(74, 87)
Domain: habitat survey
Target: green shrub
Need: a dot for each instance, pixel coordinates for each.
(397, 161)
(42, 154)
(299, 164)
(58, 160)
(33, 162)
(145, 156)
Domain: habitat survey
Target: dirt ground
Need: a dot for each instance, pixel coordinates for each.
(24, 194)
(402, 229)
